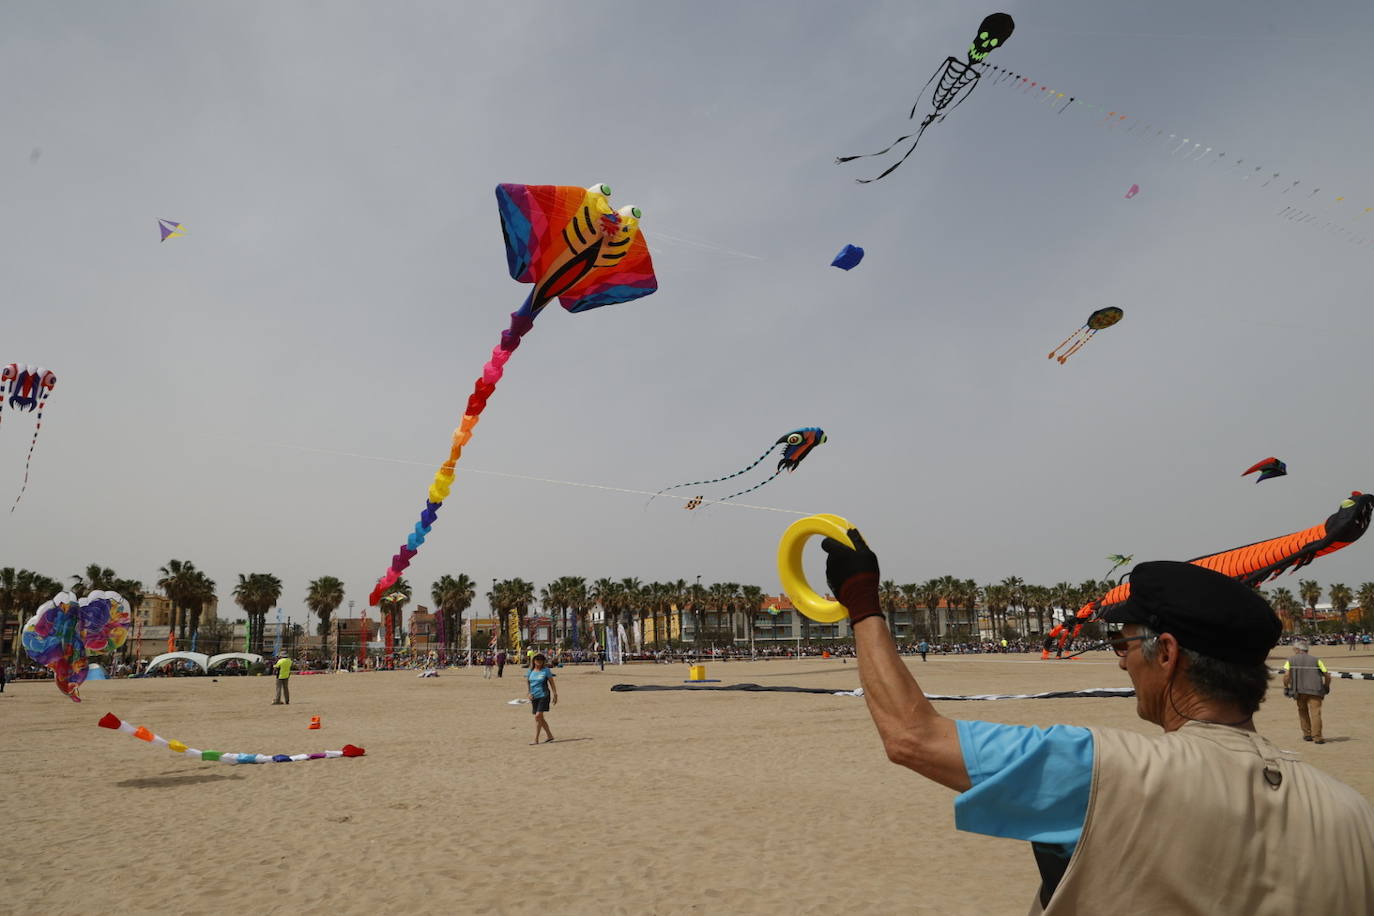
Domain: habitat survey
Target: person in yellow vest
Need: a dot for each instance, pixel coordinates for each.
(1306, 680)
(282, 669)
(1206, 818)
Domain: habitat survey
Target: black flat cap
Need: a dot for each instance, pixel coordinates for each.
(1207, 612)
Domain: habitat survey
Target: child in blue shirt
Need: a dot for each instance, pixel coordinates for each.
(543, 691)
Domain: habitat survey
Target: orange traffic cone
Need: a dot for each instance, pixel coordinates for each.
(314, 721)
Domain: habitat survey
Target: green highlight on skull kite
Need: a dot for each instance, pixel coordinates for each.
(994, 31)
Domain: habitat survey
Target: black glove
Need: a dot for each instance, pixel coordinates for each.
(852, 574)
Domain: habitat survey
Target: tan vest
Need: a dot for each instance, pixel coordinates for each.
(1192, 822)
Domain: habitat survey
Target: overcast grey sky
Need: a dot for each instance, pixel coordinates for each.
(344, 280)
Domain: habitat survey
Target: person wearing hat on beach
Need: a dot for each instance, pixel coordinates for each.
(1306, 680)
(543, 691)
(282, 669)
(1207, 817)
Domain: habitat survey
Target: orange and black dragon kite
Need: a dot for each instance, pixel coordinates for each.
(1255, 564)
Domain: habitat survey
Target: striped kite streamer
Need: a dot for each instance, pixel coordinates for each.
(113, 721)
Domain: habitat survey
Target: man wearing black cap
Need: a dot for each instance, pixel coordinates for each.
(1208, 817)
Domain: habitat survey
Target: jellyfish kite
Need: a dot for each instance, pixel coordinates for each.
(65, 630)
(1102, 318)
(26, 388)
(796, 446)
(954, 82)
(1268, 468)
(170, 229)
(571, 246)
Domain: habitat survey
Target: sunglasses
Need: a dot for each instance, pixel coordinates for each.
(1122, 644)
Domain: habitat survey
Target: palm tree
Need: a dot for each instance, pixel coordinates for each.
(201, 591)
(257, 593)
(452, 596)
(631, 598)
(928, 595)
(1340, 600)
(1282, 601)
(323, 598)
(889, 599)
(997, 598)
(1016, 598)
(969, 593)
(1311, 593)
(751, 600)
(1365, 595)
(177, 580)
(95, 578)
(23, 591)
(394, 601)
(605, 592)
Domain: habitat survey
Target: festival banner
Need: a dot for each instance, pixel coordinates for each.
(513, 625)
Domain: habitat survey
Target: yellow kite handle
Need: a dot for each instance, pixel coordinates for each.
(804, 597)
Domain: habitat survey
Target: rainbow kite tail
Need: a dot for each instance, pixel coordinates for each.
(520, 325)
(110, 720)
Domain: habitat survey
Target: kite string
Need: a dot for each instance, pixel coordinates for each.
(507, 474)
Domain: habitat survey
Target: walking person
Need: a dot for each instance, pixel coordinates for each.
(1306, 680)
(488, 662)
(543, 692)
(923, 647)
(2, 677)
(283, 672)
(500, 662)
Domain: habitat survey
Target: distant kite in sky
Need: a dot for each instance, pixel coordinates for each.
(1269, 467)
(26, 388)
(796, 446)
(848, 258)
(571, 246)
(956, 81)
(171, 229)
(1102, 318)
(692, 503)
(1134, 190)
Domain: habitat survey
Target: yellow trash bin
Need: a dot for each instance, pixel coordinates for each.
(698, 673)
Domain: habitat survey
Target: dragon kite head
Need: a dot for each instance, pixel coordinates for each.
(27, 384)
(993, 33)
(1351, 520)
(798, 444)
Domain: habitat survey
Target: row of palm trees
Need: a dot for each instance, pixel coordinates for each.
(1009, 607)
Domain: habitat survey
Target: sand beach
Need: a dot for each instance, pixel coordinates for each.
(647, 802)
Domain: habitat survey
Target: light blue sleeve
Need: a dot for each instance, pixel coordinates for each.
(1028, 783)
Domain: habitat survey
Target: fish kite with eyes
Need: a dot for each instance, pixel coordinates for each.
(954, 82)
(796, 446)
(1268, 468)
(571, 246)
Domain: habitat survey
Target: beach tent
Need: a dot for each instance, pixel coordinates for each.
(200, 659)
(248, 658)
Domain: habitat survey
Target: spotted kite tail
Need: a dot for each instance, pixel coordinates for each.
(1257, 563)
(520, 325)
(697, 483)
(770, 478)
(38, 425)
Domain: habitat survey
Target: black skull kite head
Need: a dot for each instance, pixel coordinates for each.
(993, 33)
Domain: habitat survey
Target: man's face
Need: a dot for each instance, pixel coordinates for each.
(1147, 677)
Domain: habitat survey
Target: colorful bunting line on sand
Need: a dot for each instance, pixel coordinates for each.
(110, 720)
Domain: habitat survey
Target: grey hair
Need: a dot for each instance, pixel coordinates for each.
(1301, 645)
(1229, 682)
